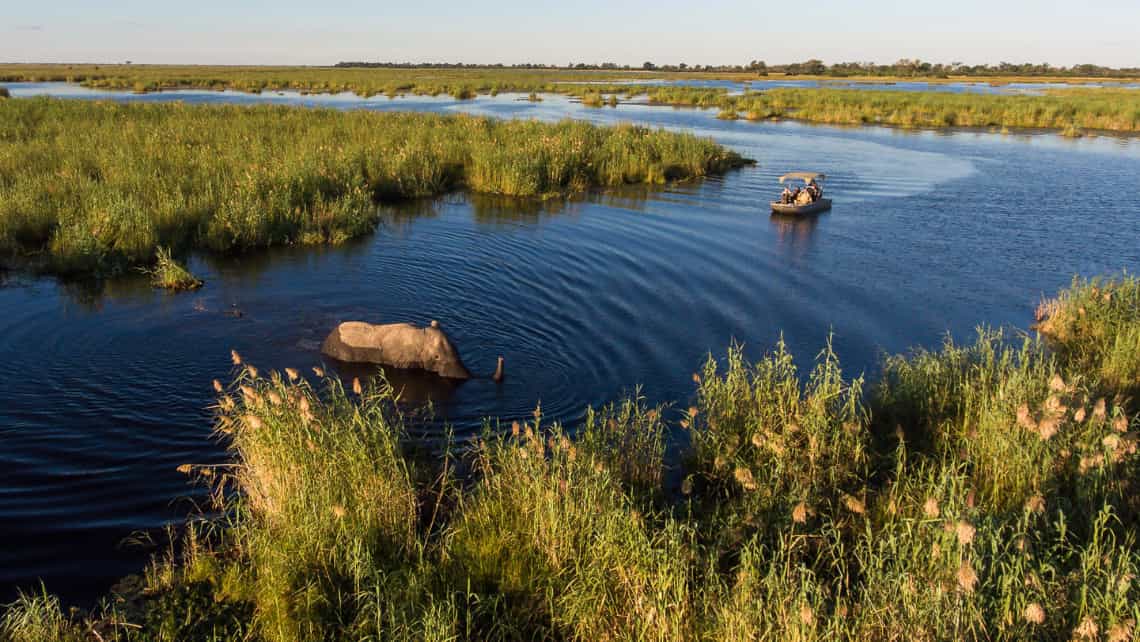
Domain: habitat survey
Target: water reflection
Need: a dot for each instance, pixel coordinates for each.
(794, 232)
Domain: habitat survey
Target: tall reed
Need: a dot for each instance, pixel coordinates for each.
(979, 491)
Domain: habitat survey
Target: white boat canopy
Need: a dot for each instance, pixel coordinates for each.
(803, 176)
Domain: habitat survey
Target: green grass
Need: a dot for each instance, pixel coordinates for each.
(96, 188)
(168, 274)
(1092, 323)
(1070, 111)
(361, 81)
(979, 491)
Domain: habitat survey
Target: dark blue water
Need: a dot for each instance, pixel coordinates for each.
(931, 233)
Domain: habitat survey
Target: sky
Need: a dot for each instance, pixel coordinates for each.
(1104, 32)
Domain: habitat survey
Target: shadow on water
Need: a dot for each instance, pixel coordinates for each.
(414, 388)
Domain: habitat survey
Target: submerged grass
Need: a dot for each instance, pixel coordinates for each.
(980, 491)
(91, 187)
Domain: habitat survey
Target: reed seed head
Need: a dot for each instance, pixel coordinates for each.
(235, 357)
(693, 412)
(338, 511)
(806, 615)
(218, 386)
(1035, 504)
(1121, 631)
(1087, 629)
(273, 398)
(252, 371)
(1120, 424)
(356, 387)
(965, 532)
(854, 504)
(253, 421)
(1034, 614)
(930, 508)
(800, 513)
(1079, 415)
(1047, 428)
(1025, 418)
(1057, 384)
(320, 372)
(967, 577)
(184, 469)
(744, 477)
(292, 374)
(1100, 408)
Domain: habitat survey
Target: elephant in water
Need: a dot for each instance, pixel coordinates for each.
(399, 345)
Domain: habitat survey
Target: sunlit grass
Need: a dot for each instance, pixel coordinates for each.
(170, 275)
(91, 187)
(1071, 111)
(980, 491)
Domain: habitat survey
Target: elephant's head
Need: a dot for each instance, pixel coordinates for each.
(440, 356)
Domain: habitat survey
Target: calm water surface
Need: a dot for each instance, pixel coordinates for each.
(931, 233)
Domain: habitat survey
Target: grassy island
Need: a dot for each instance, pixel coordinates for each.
(980, 491)
(1069, 110)
(96, 188)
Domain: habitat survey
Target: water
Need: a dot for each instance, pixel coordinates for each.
(931, 233)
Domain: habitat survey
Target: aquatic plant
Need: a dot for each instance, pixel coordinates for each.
(170, 275)
(978, 491)
(1069, 111)
(592, 98)
(4, 93)
(96, 188)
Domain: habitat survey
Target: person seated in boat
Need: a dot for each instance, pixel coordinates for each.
(786, 195)
(813, 190)
(803, 197)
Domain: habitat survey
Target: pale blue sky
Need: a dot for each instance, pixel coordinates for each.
(667, 31)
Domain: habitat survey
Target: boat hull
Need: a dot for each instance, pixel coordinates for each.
(821, 205)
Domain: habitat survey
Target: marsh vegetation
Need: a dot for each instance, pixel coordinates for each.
(978, 491)
(1070, 110)
(361, 81)
(96, 188)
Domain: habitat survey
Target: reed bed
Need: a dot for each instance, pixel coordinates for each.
(96, 188)
(978, 491)
(1071, 111)
(361, 81)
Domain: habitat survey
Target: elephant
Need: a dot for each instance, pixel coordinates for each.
(399, 345)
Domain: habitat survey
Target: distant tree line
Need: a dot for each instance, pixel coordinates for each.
(904, 67)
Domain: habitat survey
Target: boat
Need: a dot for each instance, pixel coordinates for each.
(819, 205)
